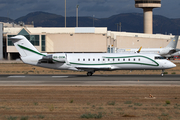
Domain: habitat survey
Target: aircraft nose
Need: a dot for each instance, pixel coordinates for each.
(174, 65)
(171, 65)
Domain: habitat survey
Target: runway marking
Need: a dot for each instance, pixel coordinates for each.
(60, 76)
(16, 76)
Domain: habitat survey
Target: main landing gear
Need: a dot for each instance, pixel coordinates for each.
(90, 73)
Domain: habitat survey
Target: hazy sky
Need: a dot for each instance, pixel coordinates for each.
(99, 8)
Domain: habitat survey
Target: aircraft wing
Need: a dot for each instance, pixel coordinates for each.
(95, 68)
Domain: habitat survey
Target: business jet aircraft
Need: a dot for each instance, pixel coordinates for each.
(89, 62)
(167, 52)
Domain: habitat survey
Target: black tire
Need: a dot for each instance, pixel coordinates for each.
(89, 74)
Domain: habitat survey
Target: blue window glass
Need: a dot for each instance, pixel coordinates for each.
(43, 43)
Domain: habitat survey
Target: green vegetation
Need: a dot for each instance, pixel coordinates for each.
(130, 106)
(101, 108)
(93, 106)
(51, 108)
(24, 118)
(165, 72)
(111, 103)
(40, 116)
(128, 102)
(71, 101)
(173, 73)
(89, 115)
(168, 102)
(137, 104)
(11, 118)
(164, 114)
(35, 103)
(88, 103)
(118, 109)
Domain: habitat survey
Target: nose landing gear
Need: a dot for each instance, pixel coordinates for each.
(162, 74)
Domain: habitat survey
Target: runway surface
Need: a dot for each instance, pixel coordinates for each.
(95, 80)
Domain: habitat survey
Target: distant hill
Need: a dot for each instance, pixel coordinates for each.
(131, 22)
(5, 19)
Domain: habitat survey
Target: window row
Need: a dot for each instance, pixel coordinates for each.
(109, 59)
(34, 39)
(159, 58)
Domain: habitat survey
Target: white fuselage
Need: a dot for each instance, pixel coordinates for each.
(161, 51)
(89, 62)
(102, 61)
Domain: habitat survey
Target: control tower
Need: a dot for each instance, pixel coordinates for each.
(147, 6)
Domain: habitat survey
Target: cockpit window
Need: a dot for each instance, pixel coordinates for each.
(159, 58)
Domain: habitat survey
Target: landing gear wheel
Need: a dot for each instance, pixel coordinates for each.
(162, 74)
(89, 74)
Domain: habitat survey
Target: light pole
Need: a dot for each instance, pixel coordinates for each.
(77, 15)
(65, 14)
(93, 20)
(117, 25)
(120, 26)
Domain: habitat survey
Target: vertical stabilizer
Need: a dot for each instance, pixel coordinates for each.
(24, 47)
(173, 42)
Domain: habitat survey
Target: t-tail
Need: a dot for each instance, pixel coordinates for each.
(29, 54)
(173, 43)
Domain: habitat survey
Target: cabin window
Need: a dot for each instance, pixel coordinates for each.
(134, 59)
(108, 59)
(83, 59)
(88, 59)
(103, 59)
(113, 59)
(98, 59)
(78, 59)
(118, 59)
(123, 59)
(93, 59)
(128, 59)
(139, 59)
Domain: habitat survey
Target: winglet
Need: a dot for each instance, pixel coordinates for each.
(139, 50)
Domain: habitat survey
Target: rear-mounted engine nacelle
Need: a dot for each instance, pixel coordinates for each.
(46, 59)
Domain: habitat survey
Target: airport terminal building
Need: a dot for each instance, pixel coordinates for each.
(84, 39)
(79, 40)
